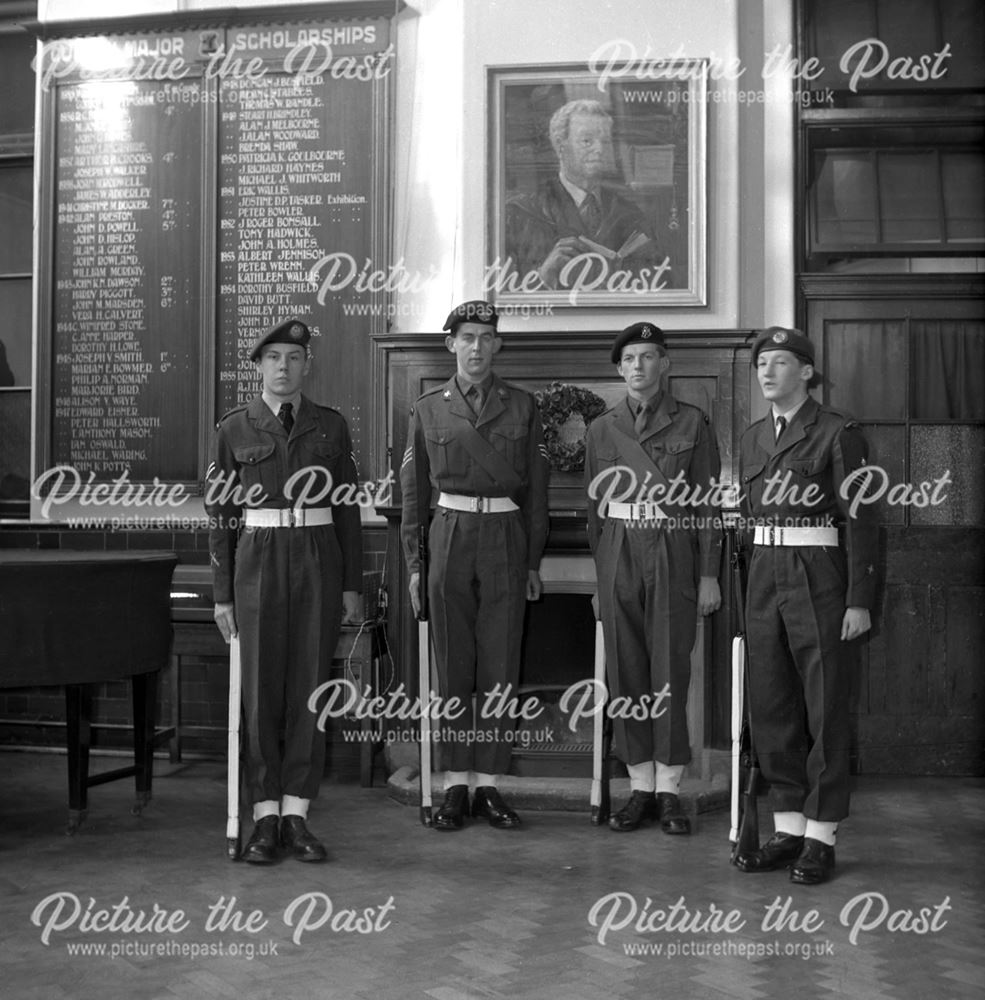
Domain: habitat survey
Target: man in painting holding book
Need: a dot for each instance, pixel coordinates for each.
(575, 231)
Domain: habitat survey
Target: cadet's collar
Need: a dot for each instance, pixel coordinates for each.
(274, 403)
(484, 386)
(654, 402)
(788, 415)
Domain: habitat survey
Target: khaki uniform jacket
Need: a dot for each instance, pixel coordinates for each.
(510, 422)
(806, 468)
(678, 440)
(252, 451)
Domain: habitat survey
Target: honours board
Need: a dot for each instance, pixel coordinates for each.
(296, 185)
(127, 282)
(197, 187)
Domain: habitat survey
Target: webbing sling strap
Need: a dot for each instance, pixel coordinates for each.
(488, 458)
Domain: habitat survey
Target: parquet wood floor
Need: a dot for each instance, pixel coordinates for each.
(404, 913)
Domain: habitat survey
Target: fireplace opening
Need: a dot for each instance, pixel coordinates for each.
(558, 653)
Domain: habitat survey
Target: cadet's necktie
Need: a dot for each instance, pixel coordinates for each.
(286, 416)
(641, 414)
(781, 426)
(475, 399)
(591, 214)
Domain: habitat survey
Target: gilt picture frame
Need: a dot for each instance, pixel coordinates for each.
(598, 187)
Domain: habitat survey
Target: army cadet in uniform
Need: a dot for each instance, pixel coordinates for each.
(811, 585)
(285, 563)
(480, 442)
(657, 565)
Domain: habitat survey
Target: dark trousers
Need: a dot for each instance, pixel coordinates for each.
(477, 586)
(800, 677)
(648, 603)
(288, 589)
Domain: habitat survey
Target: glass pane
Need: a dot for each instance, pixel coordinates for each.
(963, 26)
(886, 451)
(16, 219)
(845, 198)
(948, 358)
(959, 451)
(15, 444)
(865, 366)
(964, 197)
(906, 27)
(15, 335)
(909, 197)
(17, 50)
(837, 24)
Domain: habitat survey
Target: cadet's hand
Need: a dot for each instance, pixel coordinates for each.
(534, 587)
(352, 607)
(709, 595)
(595, 607)
(225, 617)
(415, 592)
(856, 622)
(564, 250)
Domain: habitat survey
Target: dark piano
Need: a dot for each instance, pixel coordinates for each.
(75, 619)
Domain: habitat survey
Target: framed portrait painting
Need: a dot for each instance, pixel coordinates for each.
(598, 187)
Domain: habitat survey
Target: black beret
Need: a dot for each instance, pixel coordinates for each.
(473, 311)
(779, 338)
(291, 331)
(638, 333)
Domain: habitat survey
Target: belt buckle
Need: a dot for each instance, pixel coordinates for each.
(292, 517)
(477, 505)
(770, 535)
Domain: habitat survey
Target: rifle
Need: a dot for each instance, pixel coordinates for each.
(232, 752)
(424, 672)
(744, 833)
(601, 734)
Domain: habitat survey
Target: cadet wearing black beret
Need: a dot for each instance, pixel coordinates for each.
(811, 585)
(638, 333)
(657, 566)
(479, 440)
(291, 331)
(778, 338)
(473, 311)
(282, 584)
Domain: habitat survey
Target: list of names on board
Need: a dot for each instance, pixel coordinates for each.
(127, 281)
(282, 170)
(204, 184)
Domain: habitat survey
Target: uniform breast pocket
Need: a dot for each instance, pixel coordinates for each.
(613, 479)
(447, 457)
(808, 478)
(677, 457)
(257, 469)
(510, 440)
(752, 472)
(606, 457)
(752, 484)
(322, 467)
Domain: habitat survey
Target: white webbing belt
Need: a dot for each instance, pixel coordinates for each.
(646, 511)
(290, 517)
(766, 534)
(476, 505)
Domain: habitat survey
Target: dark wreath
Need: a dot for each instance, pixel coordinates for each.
(558, 403)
